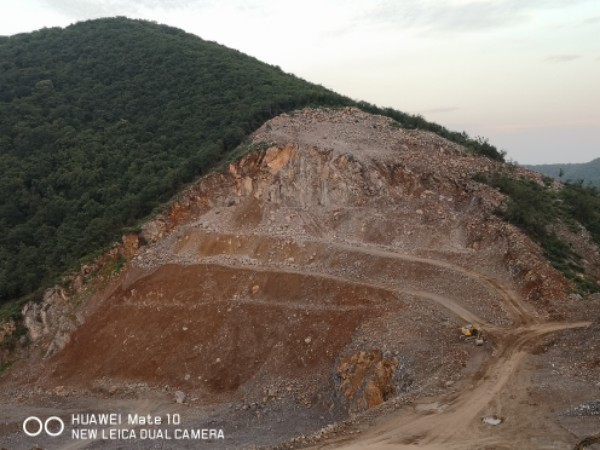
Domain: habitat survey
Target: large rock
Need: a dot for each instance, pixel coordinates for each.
(49, 323)
(367, 379)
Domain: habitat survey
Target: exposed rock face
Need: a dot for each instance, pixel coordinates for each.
(344, 234)
(131, 244)
(49, 323)
(367, 379)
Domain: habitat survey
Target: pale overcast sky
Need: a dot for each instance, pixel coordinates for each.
(524, 73)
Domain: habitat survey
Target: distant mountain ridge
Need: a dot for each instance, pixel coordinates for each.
(588, 172)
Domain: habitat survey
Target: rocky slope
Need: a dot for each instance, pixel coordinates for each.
(323, 275)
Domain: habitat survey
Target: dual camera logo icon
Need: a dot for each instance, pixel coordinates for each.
(53, 426)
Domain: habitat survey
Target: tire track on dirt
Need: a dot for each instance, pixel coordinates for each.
(448, 303)
(449, 428)
(445, 430)
(519, 312)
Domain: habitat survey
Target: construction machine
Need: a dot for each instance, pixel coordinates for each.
(471, 332)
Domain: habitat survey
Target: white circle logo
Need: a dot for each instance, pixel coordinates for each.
(44, 426)
(32, 419)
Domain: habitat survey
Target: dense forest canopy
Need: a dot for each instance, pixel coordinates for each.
(104, 120)
(588, 173)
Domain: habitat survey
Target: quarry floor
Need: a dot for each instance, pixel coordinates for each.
(247, 281)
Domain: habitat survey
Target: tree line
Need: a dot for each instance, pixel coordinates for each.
(103, 121)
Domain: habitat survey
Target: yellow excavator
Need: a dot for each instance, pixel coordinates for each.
(471, 332)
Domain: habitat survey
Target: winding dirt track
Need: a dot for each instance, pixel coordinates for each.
(455, 422)
(520, 313)
(454, 425)
(446, 302)
(461, 411)
(449, 428)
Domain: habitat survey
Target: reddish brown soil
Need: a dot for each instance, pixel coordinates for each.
(220, 325)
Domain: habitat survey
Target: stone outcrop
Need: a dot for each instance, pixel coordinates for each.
(50, 323)
(368, 378)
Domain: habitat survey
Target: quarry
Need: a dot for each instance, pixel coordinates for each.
(311, 294)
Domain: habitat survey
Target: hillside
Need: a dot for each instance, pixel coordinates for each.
(170, 244)
(589, 172)
(312, 292)
(105, 120)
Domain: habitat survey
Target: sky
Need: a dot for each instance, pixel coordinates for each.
(523, 73)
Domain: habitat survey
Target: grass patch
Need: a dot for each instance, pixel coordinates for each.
(533, 208)
(244, 150)
(582, 203)
(117, 265)
(12, 310)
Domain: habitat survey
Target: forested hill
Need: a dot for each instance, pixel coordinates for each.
(104, 120)
(589, 172)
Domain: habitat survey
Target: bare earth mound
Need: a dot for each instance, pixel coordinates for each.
(312, 292)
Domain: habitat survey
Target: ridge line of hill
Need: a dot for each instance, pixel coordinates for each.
(103, 121)
(586, 173)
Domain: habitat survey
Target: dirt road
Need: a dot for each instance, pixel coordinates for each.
(456, 415)
(455, 422)
(354, 275)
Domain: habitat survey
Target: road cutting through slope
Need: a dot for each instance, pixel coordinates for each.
(231, 244)
(450, 304)
(520, 313)
(454, 426)
(448, 428)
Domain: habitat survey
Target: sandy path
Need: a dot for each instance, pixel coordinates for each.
(459, 413)
(519, 312)
(448, 303)
(452, 424)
